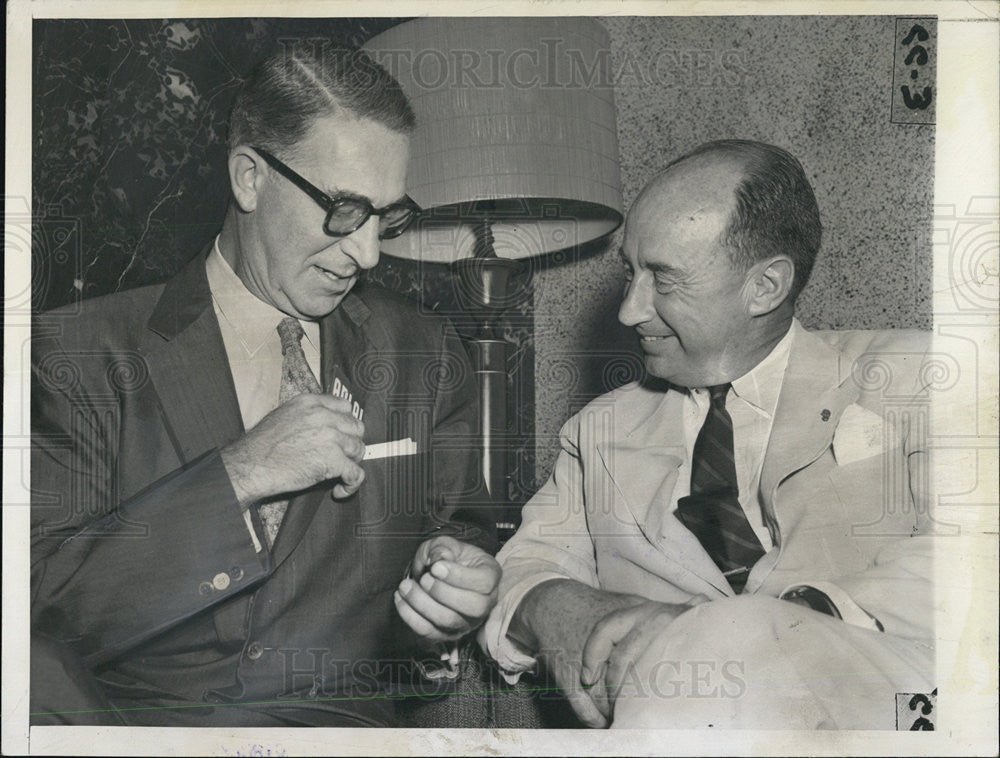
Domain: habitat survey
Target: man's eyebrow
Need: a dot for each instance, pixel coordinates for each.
(663, 268)
(348, 195)
(338, 194)
(655, 267)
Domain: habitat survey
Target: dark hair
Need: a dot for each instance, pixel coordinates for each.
(306, 79)
(775, 212)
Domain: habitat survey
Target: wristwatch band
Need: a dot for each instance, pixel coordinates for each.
(818, 601)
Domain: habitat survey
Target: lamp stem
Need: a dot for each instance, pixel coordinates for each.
(485, 277)
(483, 246)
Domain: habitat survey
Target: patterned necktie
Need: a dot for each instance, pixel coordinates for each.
(296, 376)
(296, 379)
(712, 511)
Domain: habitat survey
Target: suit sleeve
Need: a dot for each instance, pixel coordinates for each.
(897, 590)
(553, 542)
(108, 575)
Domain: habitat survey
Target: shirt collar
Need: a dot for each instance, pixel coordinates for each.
(254, 321)
(761, 385)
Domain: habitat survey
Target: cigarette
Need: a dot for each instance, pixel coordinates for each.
(393, 449)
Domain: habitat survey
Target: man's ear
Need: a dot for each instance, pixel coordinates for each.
(768, 284)
(245, 177)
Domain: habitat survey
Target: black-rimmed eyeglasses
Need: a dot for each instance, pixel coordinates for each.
(346, 213)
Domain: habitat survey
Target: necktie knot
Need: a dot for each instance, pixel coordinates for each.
(718, 395)
(290, 331)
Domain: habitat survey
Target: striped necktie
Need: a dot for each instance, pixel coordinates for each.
(712, 511)
(296, 378)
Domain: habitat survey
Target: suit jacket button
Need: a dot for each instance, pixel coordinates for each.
(235, 573)
(205, 588)
(255, 650)
(220, 581)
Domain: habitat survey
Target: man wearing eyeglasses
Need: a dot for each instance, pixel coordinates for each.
(211, 544)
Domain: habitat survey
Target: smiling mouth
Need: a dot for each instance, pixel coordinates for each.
(654, 338)
(332, 276)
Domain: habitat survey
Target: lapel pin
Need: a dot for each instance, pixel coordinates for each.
(825, 414)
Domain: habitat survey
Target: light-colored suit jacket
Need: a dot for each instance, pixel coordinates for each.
(843, 487)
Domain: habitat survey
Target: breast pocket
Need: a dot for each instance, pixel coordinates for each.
(874, 494)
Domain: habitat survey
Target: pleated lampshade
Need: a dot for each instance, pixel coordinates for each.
(515, 126)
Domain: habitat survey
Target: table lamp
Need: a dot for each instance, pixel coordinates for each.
(515, 156)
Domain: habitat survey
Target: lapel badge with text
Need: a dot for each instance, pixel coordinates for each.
(339, 389)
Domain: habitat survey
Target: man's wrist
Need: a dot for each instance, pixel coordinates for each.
(555, 608)
(521, 629)
(520, 633)
(231, 462)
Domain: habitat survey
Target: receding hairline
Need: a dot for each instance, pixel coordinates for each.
(721, 192)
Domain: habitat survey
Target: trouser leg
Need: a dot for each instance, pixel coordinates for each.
(63, 690)
(763, 663)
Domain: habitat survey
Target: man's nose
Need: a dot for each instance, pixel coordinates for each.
(362, 244)
(637, 305)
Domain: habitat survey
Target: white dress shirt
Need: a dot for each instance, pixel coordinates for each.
(751, 403)
(253, 347)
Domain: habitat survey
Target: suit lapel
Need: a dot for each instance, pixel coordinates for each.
(348, 346)
(190, 371)
(814, 393)
(188, 366)
(645, 471)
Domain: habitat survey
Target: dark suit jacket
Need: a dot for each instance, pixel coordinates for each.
(141, 559)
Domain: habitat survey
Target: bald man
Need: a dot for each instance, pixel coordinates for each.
(741, 539)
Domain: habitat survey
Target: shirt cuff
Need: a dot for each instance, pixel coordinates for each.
(849, 611)
(511, 658)
(248, 518)
(445, 666)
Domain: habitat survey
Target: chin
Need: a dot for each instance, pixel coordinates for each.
(316, 307)
(659, 367)
(670, 371)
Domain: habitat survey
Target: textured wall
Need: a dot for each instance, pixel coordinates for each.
(818, 87)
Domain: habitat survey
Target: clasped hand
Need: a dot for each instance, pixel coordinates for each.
(451, 589)
(590, 638)
(615, 643)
